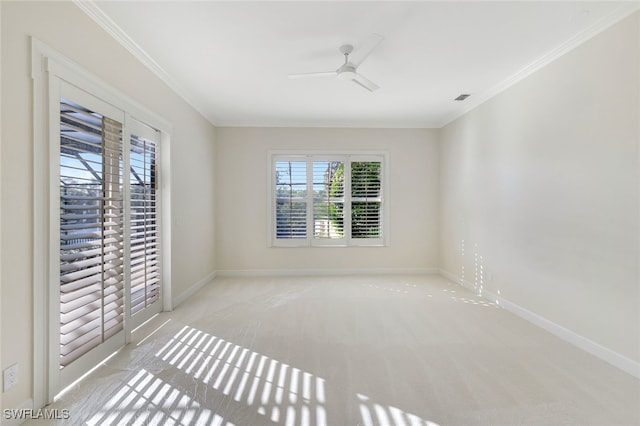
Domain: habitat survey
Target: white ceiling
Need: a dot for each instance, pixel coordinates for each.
(230, 60)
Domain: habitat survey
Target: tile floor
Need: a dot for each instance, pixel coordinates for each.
(381, 350)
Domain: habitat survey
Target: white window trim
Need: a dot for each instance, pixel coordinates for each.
(320, 155)
(47, 68)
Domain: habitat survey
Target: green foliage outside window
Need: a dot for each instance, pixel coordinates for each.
(365, 193)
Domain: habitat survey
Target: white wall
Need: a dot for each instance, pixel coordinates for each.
(242, 196)
(541, 186)
(62, 26)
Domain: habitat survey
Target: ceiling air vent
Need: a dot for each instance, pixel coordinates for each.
(462, 97)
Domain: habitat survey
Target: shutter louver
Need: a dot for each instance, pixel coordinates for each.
(366, 201)
(91, 220)
(291, 199)
(144, 246)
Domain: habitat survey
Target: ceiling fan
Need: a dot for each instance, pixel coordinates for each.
(348, 70)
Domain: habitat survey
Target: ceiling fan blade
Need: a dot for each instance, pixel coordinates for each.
(368, 47)
(365, 82)
(314, 74)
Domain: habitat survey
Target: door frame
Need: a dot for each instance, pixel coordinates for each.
(48, 68)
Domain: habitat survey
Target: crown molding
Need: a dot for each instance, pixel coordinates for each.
(329, 124)
(596, 28)
(92, 10)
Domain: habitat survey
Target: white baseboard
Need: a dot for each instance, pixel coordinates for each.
(191, 290)
(324, 272)
(617, 360)
(8, 417)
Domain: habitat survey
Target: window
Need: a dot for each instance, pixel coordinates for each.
(327, 200)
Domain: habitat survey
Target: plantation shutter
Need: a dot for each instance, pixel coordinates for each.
(328, 199)
(144, 224)
(91, 223)
(366, 199)
(291, 199)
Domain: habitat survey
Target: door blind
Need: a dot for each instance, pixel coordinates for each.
(91, 223)
(144, 246)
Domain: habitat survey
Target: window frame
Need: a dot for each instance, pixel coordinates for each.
(347, 157)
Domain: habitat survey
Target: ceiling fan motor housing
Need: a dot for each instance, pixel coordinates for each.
(346, 72)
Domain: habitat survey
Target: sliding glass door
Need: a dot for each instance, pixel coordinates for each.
(144, 223)
(108, 229)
